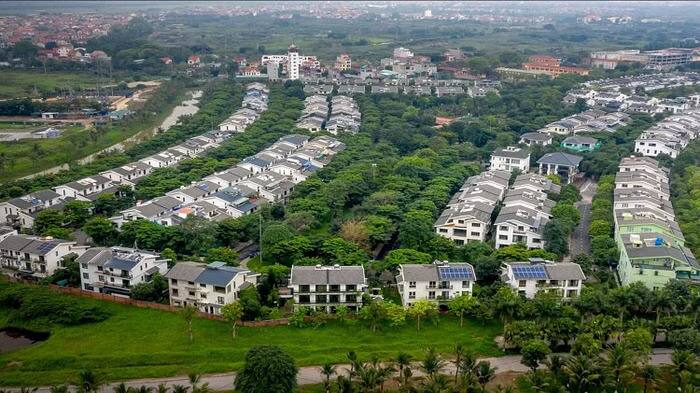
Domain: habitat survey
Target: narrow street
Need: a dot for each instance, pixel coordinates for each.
(580, 242)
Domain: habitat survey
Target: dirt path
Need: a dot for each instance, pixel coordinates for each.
(312, 375)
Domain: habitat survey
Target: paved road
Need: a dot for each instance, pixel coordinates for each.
(580, 243)
(312, 375)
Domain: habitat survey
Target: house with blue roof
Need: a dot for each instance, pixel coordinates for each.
(207, 286)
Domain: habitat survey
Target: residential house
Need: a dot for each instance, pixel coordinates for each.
(439, 282)
(564, 165)
(536, 138)
(35, 257)
(510, 159)
(324, 288)
(207, 287)
(537, 275)
(116, 270)
(580, 143)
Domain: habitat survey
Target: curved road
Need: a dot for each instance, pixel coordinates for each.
(312, 375)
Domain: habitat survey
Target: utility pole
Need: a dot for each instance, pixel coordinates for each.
(260, 236)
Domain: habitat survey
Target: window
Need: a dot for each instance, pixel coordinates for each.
(503, 237)
(351, 298)
(443, 230)
(334, 288)
(503, 228)
(220, 299)
(351, 287)
(333, 298)
(173, 281)
(304, 299)
(84, 266)
(573, 283)
(191, 293)
(431, 295)
(522, 283)
(100, 277)
(174, 292)
(320, 298)
(431, 284)
(411, 295)
(476, 225)
(203, 295)
(411, 284)
(320, 288)
(86, 276)
(465, 284)
(475, 234)
(304, 288)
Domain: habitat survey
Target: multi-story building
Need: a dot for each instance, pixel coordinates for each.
(510, 159)
(37, 257)
(551, 66)
(21, 211)
(528, 278)
(292, 62)
(438, 282)
(207, 287)
(324, 288)
(116, 270)
(343, 62)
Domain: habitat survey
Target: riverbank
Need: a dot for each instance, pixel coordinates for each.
(30, 158)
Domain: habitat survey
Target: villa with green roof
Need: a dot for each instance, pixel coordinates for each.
(580, 143)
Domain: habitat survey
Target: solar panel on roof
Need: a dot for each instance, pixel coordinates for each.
(455, 273)
(537, 272)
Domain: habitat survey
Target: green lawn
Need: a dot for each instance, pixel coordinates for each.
(140, 343)
(16, 83)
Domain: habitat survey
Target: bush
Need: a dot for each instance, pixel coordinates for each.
(38, 305)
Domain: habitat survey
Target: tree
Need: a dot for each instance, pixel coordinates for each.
(416, 231)
(484, 373)
(533, 353)
(396, 314)
(249, 299)
(267, 369)
(327, 370)
(373, 314)
(403, 360)
(422, 309)
(170, 255)
(232, 312)
(584, 373)
(650, 375)
(400, 256)
(506, 304)
(47, 219)
(463, 304)
(75, 213)
(432, 364)
(102, 231)
(188, 312)
(223, 254)
(88, 382)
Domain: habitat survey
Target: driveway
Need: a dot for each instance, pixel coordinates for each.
(580, 242)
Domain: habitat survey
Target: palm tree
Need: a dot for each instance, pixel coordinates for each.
(162, 388)
(584, 374)
(555, 364)
(432, 364)
(682, 364)
(403, 361)
(352, 357)
(538, 381)
(27, 390)
(143, 389)
(188, 313)
(438, 384)
(87, 382)
(459, 352)
(327, 370)
(344, 384)
(467, 369)
(484, 373)
(650, 375)
(620, 363)
(180, 389)
(121, 388)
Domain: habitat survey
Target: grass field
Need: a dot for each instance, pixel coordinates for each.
(141, 343)
(17, 83)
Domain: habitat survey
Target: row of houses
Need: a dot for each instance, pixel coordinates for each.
(592, 120)
(22, 211)
(416, 90)
(341, 114)
(563, 165)
(253, 105)
(651, 243)
(468, 215)
(669, 136)
(266, 177)
(525, 211)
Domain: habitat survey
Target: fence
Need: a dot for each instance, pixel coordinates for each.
(156, 306)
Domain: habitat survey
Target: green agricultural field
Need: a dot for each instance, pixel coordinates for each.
(142, 343)
(18, 84)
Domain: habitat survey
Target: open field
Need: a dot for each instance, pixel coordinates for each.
(18, 84)
(141, 343)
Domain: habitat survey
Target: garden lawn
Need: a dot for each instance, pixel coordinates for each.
(142, 343)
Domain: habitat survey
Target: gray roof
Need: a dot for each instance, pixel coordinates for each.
(95, 255)
(185, 271)
(332, 275)
(536, 136)
(560, 158)
(218, 274)
(295, 139)
(15, 242)
(121, 263)
(167, 202)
